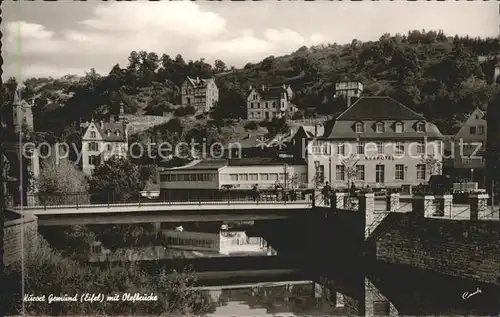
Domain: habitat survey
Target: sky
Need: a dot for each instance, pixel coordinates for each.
(43, 39)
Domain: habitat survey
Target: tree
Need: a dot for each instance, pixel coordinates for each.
(61, 176)
(432, 164)
(219, 66)
(116, 179)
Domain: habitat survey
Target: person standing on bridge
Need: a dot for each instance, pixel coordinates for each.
(256, 192)
(326, 193)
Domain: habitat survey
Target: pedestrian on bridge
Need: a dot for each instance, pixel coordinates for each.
(256, 192)
(327, 190)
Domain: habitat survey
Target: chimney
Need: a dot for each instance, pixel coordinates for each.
(102, 124)
(496, 73)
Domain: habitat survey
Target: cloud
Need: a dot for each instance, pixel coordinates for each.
(25, 71)
(251, 48)
(116, 29)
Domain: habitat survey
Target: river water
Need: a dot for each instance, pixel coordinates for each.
(245, 288)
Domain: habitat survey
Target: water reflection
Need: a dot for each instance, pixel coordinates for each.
(294, 298)
(383, 290)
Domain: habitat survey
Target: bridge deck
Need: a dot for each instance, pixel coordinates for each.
(174, 206)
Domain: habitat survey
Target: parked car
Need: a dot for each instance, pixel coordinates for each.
(440, 184)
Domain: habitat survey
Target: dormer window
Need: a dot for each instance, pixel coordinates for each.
(398, 127)
(108, 133)
(359, 127)
(379, 127)
(117, 133)
(92, 134)
(420, 127)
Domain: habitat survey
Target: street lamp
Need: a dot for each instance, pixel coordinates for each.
(285, 176)
(471, 175)
(316, 166)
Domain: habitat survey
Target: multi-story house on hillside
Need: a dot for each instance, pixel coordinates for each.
(202, 94)
(102, 140)
(269, 102)
(349, 89)
(376, 142)
(470, 147)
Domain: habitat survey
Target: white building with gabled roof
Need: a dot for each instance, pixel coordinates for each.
(102, 140)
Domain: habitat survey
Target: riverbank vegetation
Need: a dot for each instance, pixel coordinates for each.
(44, 271)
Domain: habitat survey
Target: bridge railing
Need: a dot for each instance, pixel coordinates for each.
(80, 199)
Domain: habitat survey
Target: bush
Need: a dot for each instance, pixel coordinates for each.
(252, 125)
(184, 111)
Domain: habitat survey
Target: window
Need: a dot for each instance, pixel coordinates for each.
(274, 176)
(243, 177)
(421, 171)
(481, 129)
(438, 148)
(400, 172)
(94, 160)
(233, 177)
(267, 105)
(420, 127)
(274, 104)
(420, 148)
(360, 172)
(92, 134)
(110, 147)
(108, 132)
(340, 172)
(380, 148)
(360, 148)
(400, 148)
(379, 127)
(472, 130)
(254, 177)
(380, 173)
(93, 146)
(320, 174)
(467, 160)
(264, 177)
(340, 149)
(399, 127)
(359, 127)
(117, 133)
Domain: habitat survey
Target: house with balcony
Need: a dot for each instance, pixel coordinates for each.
(266, 103)
(469, 148)
(200, 93)
(376, 142)
(102, 140)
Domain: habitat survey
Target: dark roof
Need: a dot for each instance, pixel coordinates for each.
(269, 92)
(266, 161)
(198, 82)
(200, 165)
(378, 108)
(345, 130)
(257, 139)
(112, 127)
